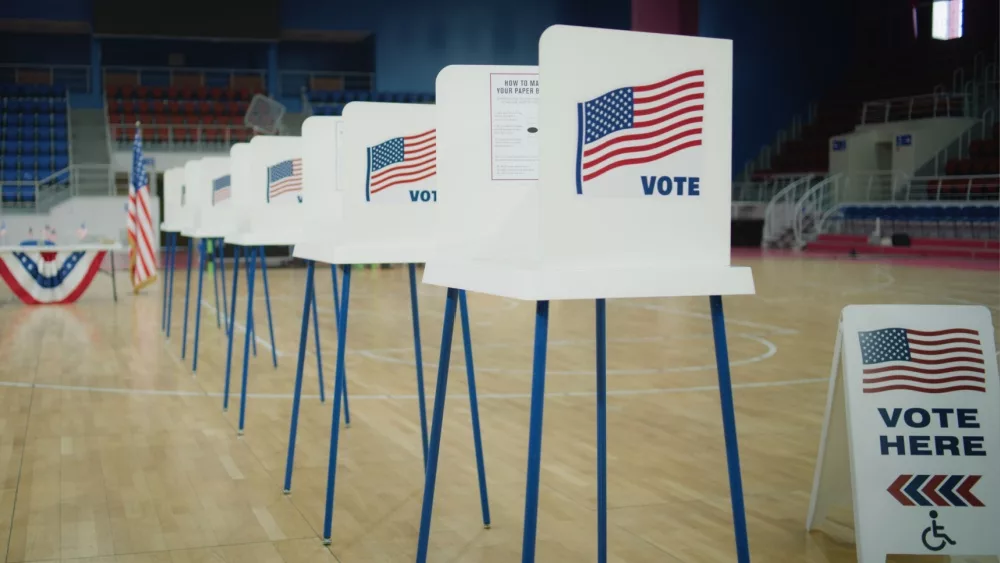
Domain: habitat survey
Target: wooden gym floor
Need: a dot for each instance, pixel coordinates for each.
(111, 451)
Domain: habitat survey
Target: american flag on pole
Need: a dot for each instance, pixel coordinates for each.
(221, 189)
(284, 177)
(401, 160)
(142, 257)
(939, 361)
(639, 124)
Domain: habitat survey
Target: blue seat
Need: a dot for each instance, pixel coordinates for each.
(28, 148)
(27, 193)
(59, 133)
(11, 133)
(44, 134)
(10, 161)
(44, 171)
(14, 105)
(9, 193)
(10, 174)
(28, 160)
(61, 161)
(60, 146)
(58, 105)
(63, 177)
(59, 119)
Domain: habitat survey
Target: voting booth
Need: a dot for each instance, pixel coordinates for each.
(373, 176)
(632, 199)
(271, 206)
(173, 223)
(210, 192)
(909, 457)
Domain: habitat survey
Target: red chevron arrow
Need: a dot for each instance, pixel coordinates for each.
(930, 490)
(965, 490)
(896, 490)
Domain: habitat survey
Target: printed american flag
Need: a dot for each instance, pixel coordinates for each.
(939, 361)
(221, 189)
(401, 160)
(142, 258)
(284, 177)
(639, 124)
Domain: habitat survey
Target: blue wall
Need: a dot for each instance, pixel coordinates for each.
(44, 49)
(58, 10)
(786, 54)
(205, 54)
(414, 40)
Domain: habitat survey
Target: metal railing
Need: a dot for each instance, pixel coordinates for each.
(192, 137)
(76, 78)
(42, 194)
(938, 104)
(186, 76)
(292, 82)
(778, 215)
(817, 204)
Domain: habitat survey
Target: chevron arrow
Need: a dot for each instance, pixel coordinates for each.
(896, 490)
(930, 490)
(912, 490)
(935, 490)
(965, 490)
(947, 490)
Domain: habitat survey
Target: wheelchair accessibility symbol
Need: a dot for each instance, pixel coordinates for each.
(934, 537)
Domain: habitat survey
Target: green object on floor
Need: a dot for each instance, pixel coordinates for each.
(211, 263)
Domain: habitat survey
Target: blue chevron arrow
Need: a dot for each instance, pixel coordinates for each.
(947, 490)
(912, 490)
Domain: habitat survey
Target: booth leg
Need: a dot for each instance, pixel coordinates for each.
(535, 432)
(430, 472)
(221, 266)
(319, 351)
(267, 303)
(297, 394)
(338, 388)
(602, 431)
(419, 357)
(729, 429)
(197, 306)
(187, 298)
(477, 437)
(252, 261)
(232, 333)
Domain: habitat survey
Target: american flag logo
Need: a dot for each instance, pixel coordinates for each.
(284, 177)
(221, 189)
(639, 124)
(940, 361)
(401, 160)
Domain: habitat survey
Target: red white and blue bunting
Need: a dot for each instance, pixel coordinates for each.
(40, 277)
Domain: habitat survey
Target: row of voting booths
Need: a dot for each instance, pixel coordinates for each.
(603, 172)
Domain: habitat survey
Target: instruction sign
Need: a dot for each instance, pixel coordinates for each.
(921, 396)
(514, 126)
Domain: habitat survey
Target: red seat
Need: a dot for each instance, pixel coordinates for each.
(127, 91)
(157, 93)
(142, 92)
(173, 93)
(215, 94)
(143, 106)
(111, 91)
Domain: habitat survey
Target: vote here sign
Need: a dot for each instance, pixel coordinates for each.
(922, 398)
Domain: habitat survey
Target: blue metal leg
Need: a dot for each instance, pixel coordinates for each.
(252, 260)
(267, 302)
(221, 267)
(336, 316)
(319, 351)
(232, 323)
(430, 474)
(729, 429)
(477, 438)
(166, 277)
(187, 298)
(197, 307)
(250, 325)
(170, 291)
(419, 356)
(602, 432)
(215, 279)
(338, 388)
(535, 432)
(297, 395)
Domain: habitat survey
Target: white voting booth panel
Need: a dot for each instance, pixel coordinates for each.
(270, 202)
(189, 201)
(320, 188)
(173, 186)
(209, 194)
(240, 183)
(633, 196)
(387, 186)
(913, 427)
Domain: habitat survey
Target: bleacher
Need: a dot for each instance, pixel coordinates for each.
(35, 141)
(181, 116)
(943, 231)
(332, 102)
